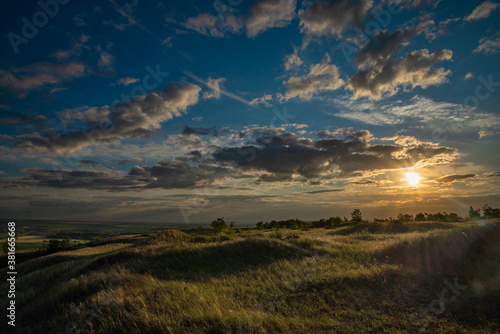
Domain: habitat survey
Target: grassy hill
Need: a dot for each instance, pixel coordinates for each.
(366, 278)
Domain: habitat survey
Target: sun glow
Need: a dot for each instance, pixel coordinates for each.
(412, 178)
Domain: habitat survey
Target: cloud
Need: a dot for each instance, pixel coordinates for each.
(283, 156)
(332, 17)
(214, 131)
(126, 11)
(215, 86)
(51, 178)
(415, 70)
(127, 81)
(469, 75)
(482, 11)
(410, 4)
(88, 162)
(180, 174)
(321, 78)
(138, 116)
(488, 46)
(168, 41)
(211, 25)
(262, 100)
(57, 90)
(267, 14)
(293, 60)
(453, 178)
(441, 116)
(383, 45)
(125, 161)
(323, 191)
(35, 76)
(9, 117)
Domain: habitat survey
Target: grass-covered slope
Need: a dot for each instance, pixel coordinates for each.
(369, 278)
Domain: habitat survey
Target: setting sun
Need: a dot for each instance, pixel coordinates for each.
(413, 179)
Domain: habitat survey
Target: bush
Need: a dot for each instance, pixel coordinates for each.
(219, 225)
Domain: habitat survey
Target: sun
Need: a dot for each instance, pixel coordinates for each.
(413, 179)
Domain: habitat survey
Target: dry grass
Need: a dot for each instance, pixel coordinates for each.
(346, 280)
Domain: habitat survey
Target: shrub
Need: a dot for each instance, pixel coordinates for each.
(219, 225)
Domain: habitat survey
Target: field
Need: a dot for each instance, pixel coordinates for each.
(366, 278)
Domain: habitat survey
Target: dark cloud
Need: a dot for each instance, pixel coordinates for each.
(9, 117)
(323, 191)
(139, 116)
(125, 161)
(383, 45)
(35, 76)
(453, 178)
(180, 174)
(88, 162)
(331, 17)
(285, 155)
(58, 178)
(214, 131)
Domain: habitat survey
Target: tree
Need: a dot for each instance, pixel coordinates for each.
(356, 216)
(231, 225)
(474, 214)
(219, 225)
(490, 213)
(334, 221)
(420, 217)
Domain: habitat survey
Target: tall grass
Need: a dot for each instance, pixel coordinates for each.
(361, 280)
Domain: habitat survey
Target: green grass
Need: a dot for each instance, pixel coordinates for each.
(368, 278)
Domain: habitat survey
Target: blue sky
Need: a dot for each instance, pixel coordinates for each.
(266, 109)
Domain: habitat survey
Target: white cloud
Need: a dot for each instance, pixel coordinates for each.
(127, 81)
(321, 77)
(262, 100)
(482, 11)
(331, 17)
(267, 14)
(211, 25)
(168, 41)
(417, 111)
(488, 46)
(215, 86)
(292, 60)
(381, 80)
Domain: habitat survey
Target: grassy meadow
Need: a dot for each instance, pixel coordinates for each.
(427, 277)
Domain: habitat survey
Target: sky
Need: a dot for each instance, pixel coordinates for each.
(185, 111)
